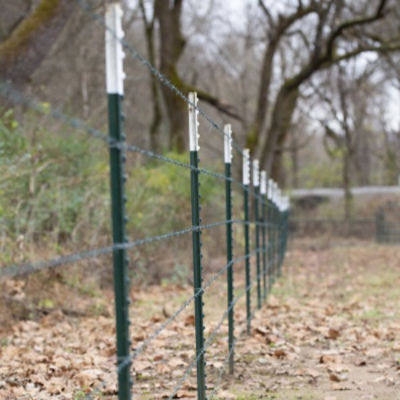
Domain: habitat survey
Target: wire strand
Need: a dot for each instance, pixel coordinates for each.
(160, 76)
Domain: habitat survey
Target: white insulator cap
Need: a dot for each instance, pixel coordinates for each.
(114, 53)
(193, 123)
(263, 187)
(246, 167)
(287, 203)
(284, 203)
(228, 144)
(280, 201)
(270, 188)
(274, 192)
(277, 194)
(256, 173)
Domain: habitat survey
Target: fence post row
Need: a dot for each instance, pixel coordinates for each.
(256, 184)
(380, 226)
(269, 230)
(246, 188)
(263, 192)
(280, 220)
(274, 222)
(229, 251)
(196, 239)
(273, 219)
(115, 90)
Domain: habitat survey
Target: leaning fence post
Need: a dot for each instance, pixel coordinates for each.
(115, 90)
(229, 253)
(256, 184)
(246, 188)
(196, 240)
(263, 191)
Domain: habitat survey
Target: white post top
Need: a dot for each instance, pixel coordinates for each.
(285, 202)
(114, 53)
(263, 187)
(228, 144)
(256, 173)
(270, 188)
(193, 123)
(274, 192)
(277, 194)
(246, 167)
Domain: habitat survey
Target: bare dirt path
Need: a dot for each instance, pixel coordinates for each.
(331, 330)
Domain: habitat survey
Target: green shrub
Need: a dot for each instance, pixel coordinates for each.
(53, 186)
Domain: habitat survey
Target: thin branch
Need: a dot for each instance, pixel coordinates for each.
(351, 24)
(267, 13)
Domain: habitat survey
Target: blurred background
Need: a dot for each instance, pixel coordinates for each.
(311, 87)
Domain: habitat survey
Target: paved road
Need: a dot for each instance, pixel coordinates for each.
(337, 192)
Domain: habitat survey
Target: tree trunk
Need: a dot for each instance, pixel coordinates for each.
(281, 119)
(176, 110)
(172, 45)
(157, 115)
(28, 44)
(253, 135)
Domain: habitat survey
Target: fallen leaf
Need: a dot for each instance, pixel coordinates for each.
(333, 333)
(334, 378)
(279, 353)
(190, 320)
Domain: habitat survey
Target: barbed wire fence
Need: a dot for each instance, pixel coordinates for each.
(269, 219)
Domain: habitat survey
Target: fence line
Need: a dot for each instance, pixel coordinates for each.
(270, 217)
(98, 18)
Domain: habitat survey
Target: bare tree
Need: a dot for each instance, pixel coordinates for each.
(340, 32)
(172, 45)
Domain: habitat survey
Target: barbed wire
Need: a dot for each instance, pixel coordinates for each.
(222, 371)
(98, 18)
(26, 268)
(209, 340)
(14, 270)
(11, 93)
(8, 91)
(184, 305)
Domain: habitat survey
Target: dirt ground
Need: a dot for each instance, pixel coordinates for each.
(330, 331)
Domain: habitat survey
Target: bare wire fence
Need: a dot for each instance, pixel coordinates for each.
(256, 216)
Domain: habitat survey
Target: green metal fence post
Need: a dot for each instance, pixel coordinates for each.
(263, 192)
(286, 226)
(285, 216)
(246, 188)
(196, 240)
(256, 184)
(229, 251)
(379, 226)
(115, 77)
(280, 231)
(270, 235)
(272, 222)
(274, 231)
